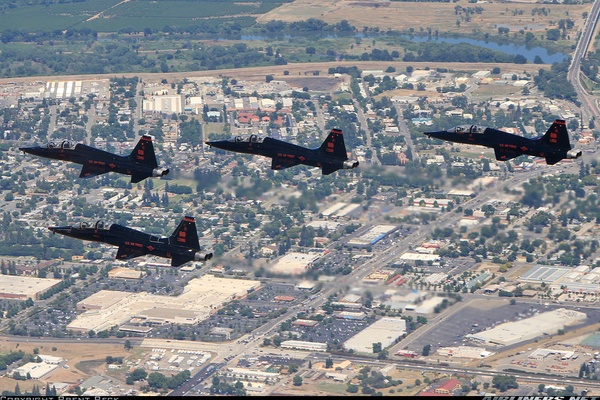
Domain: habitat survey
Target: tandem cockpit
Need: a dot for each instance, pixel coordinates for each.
(62, 144)
(248, 139)
(92, 225)
(468, 129)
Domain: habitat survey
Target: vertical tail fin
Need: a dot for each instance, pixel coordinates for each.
(186, 234)
(144, 152)
(334, 145)
(557, 135)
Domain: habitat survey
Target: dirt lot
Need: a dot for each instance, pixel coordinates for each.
(434, 15)
(74, 354)
(324, 386)
(304, 70)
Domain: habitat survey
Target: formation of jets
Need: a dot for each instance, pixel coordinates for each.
(183, 246)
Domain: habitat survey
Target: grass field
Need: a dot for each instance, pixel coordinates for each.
(112, 15)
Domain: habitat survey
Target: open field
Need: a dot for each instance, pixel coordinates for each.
(436, 16)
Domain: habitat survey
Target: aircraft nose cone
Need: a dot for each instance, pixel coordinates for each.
(30, 150)
(219, 144)
(434, 134)
(63, 230)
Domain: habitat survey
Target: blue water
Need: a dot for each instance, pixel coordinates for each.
(529, 53)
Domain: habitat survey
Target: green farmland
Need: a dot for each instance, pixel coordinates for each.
(113, 15)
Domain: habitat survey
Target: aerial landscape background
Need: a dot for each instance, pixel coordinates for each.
(431, 268)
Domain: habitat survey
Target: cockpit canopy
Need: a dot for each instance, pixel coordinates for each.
(62, 144)
(92, 225)
(468, 129)
(249, 139)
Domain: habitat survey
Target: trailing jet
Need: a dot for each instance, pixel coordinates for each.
(330, 157)
(553, 146)
(140, 164)
(182, 246)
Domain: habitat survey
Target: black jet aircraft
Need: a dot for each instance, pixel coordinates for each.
(182, 246)
(553, 146)
(330, 157)
(140, 164)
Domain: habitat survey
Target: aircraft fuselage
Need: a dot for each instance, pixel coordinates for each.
(95, 158)
(553, 146)
(132, 242)
(289, 153)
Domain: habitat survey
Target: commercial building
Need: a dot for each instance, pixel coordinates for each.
(384, 331)
(547, 323)
(164, 104)
(19, 287)
(35, 370)
(302, 345)
(200, 298)
(372, 236)
(294, 263)
(251, 375)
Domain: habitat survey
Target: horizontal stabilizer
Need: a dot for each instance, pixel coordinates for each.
(89, 171)
(503, 155)
(553, 159)
(126, 253)
(329, 168)
(283, 163)
(179, 259)
(138, 177)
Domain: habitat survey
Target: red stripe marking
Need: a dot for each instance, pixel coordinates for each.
(336, 131)
(189, 219)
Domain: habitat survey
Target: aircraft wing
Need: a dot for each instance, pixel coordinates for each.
(126, 253)
(88, 171)
(503, 155)
(283, 163)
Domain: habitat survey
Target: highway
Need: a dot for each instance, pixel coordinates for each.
(589, 105)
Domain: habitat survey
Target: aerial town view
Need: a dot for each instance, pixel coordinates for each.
(299, 197)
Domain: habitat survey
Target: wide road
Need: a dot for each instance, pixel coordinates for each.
(589, 104)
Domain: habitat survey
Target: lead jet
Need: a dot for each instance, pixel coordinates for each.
(140, 164)
(330, 157)
(182, 246)
(553, 146)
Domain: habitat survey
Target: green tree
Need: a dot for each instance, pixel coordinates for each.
(297, 380)
(376, 347)
(504, 382)
(426, 350)
(329, 363)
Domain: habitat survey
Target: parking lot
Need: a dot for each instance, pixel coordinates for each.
(485, 314)
(336, 331)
